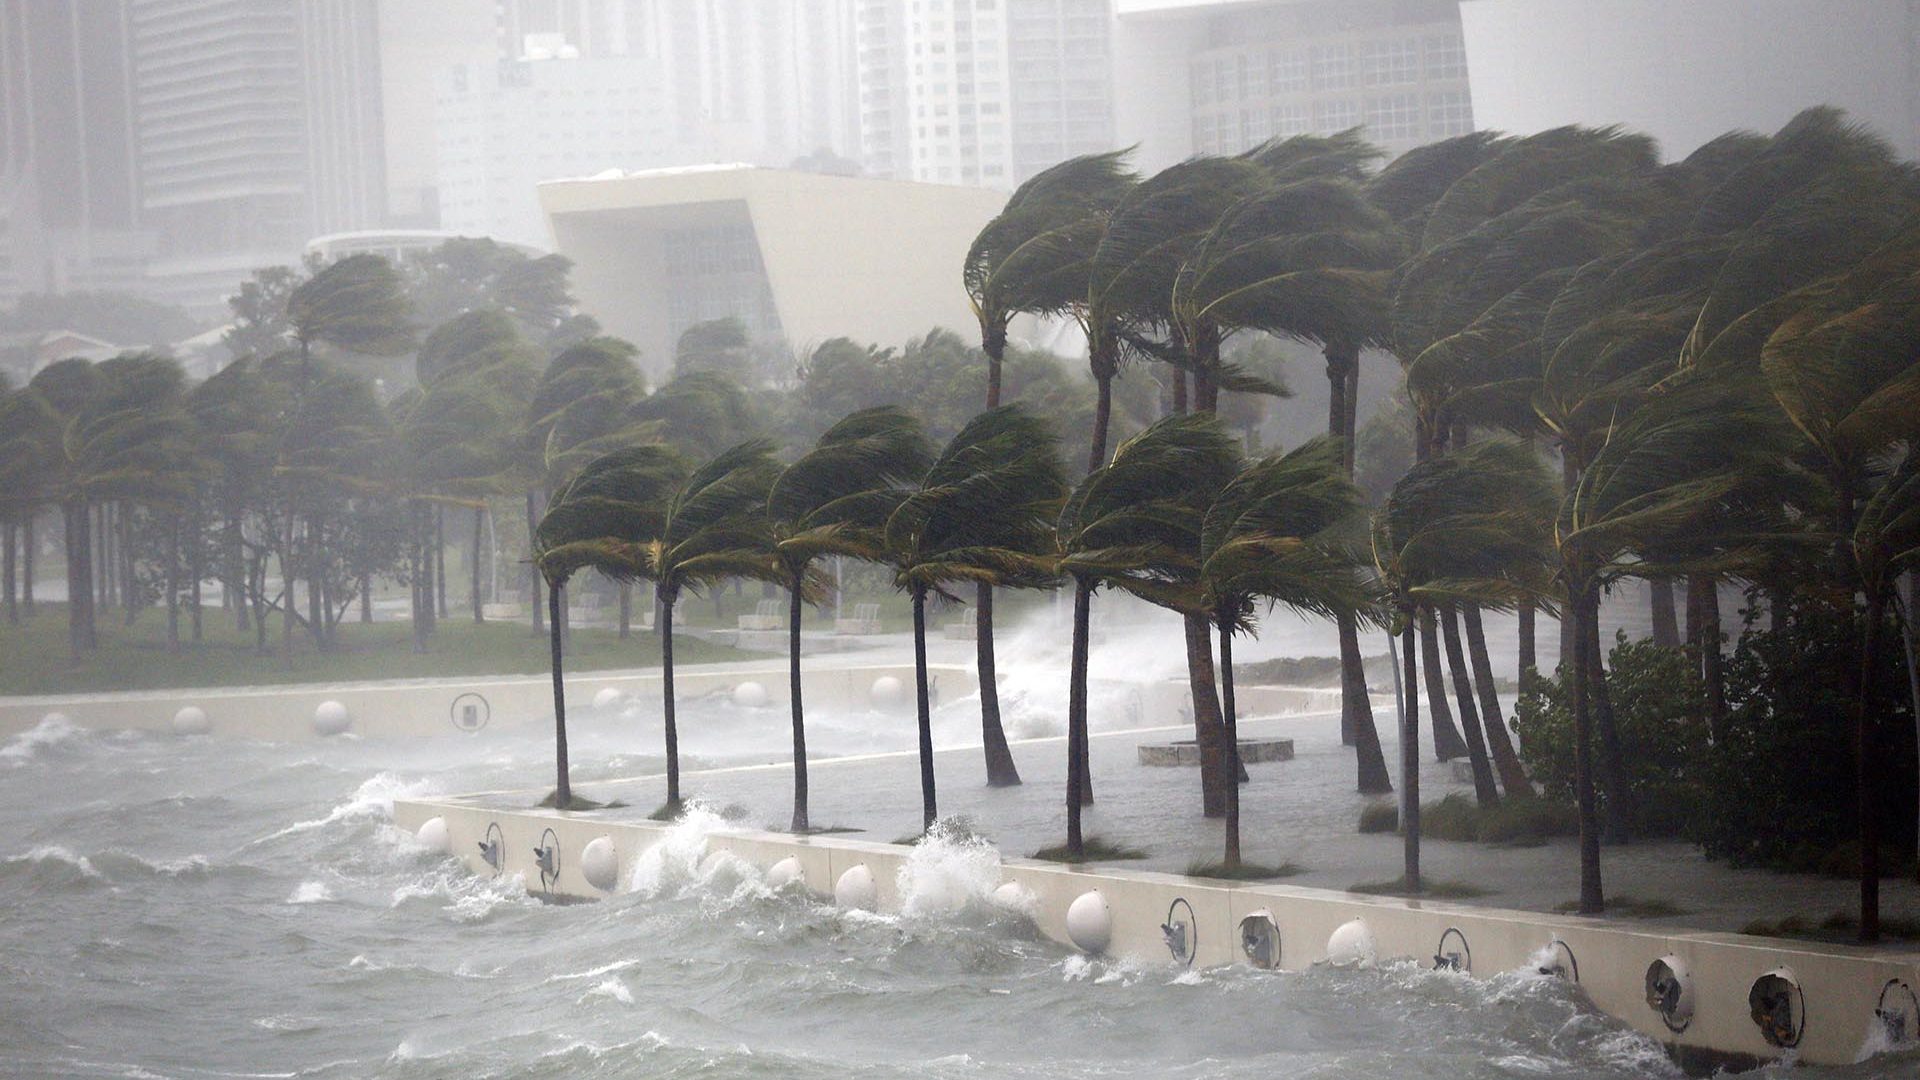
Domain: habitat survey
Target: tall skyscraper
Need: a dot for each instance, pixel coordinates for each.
(1219, 77)
(982, 91)
(69, 206)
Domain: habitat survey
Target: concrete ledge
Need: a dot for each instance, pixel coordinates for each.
(1187, 752)
(1841, 986)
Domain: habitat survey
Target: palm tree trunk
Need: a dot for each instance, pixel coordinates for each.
(562, 787)
(1102, 419)
(1179, 401)
(1713, 664)
(417, 578)
(1906, 614)
(1001, 771)
(1507, 763)
(1529, 660)
(172, 583)
(1410, 764)
(1207, 720)
(440, 561)
(626, 610)
(79, 538)
(1485, 791)
(1614, 767)
(1077, 713)
(1666, 620)
(1374, 777)
(287, 595)
(366, 597)
(1866, 752)
(1447, 743)
(1592, 899)
(197, 571)
(10, 557)
(473, 579)
(929, 804)
(667, 598)
(799, 711)
(534, 581)
(1231, 729)
(27, 553)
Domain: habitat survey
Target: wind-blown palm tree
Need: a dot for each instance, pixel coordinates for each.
(713, 527)
(1033, 258)
(1134, 519)
(1845, 370)
(601, 519)
(1474, 526)
(983, 513)
(833, 501)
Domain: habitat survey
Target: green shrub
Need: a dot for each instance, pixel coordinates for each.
(1779, 790)
(1380, 817)
(1663, 735)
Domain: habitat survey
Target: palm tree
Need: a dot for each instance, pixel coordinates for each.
(1276, 533)
(601, 519)
(1471, 526)
(834, 501)
(1845, 370)
(713, 527)
(1305, 260)
(1134, 518)
(983, 513)
(1033, 258)
(582, 407)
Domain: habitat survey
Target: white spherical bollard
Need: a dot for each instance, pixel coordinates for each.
(433, 836)
(786, 872)
(608, 697)
(750, 695)
(600, 863)
(855, 889)
(1090, 922)
(888, 692)
(1013, 896)
(1351, 945)
(331, 718)
(191, 720)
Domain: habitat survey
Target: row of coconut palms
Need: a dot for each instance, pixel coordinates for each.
(1753, 300)
(1177, 517)
(1723, 354)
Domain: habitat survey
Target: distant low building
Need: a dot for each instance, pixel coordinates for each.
(24, 354)
(797, 257)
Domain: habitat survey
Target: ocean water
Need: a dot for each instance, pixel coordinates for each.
(202, 908)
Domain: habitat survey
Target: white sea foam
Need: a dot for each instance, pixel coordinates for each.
(681, 861)
(594, 973)
(610, 988)
(54, 853)
(311, 892)
(53, 730)
(371, 801)
(949, 869)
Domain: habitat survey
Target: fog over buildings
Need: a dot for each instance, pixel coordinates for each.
(168, 147)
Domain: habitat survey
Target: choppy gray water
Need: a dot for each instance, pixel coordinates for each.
(199, 908)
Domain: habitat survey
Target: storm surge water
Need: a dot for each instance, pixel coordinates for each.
(193, 908)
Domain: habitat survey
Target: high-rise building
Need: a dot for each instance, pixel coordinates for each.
(69, 206)
(575, 87)
(982, 91)
(258, 126)
(1685, 73)
(1219, 77)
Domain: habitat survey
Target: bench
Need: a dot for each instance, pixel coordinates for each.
(766, 616)
(966, 627)
(865, 620)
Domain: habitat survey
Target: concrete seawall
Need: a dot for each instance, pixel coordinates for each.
(1832, 992)
(414, 708)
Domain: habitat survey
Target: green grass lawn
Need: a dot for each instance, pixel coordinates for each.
(136, 658)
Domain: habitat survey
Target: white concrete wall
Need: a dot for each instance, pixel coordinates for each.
(389, 709)
(1841, 985)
